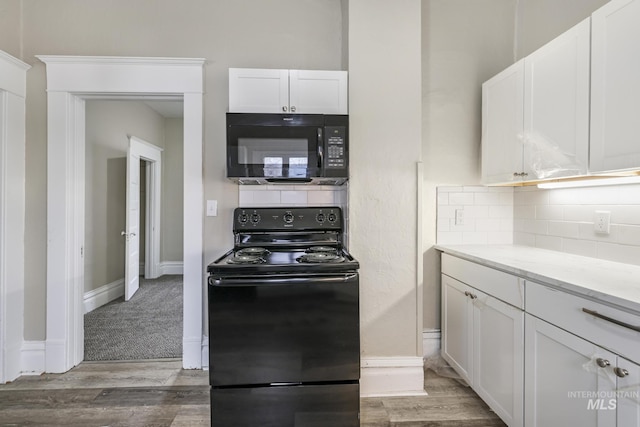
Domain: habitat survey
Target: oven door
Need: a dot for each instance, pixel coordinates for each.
(283, 329)
(266, 146)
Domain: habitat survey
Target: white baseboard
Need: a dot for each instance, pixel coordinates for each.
(171, 267)
(391, 376)
(430, 342)
(205, 352)
(103, 295)
(32, 358)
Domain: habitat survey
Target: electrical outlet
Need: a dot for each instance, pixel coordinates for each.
(602, 222)
(459, 216)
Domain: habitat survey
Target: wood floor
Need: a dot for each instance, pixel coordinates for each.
(160, 393)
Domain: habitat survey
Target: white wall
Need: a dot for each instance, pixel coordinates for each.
(385, 124)
(10, 19)
(172, 188)
(108, 124)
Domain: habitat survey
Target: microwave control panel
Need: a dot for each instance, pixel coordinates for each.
(336, 153)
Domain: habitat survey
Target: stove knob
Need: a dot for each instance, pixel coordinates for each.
(243, 218)
(332, 217)
(320, 218)
(255, 218)
(288, 218)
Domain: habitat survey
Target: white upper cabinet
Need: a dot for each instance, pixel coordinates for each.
(287, 91)
(535, 113)
(615, 87)
(502, 124)
(556, 106)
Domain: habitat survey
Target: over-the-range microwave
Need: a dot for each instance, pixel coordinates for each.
(287, 148)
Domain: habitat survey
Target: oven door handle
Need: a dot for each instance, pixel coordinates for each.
(258, 281)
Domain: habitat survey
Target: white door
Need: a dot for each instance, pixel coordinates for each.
(615, 86)
(132, 231)
(318, 92)
(502, 126)
(142, 150)
(556, 105)
(254, 90)
(457, 327)
(568, 380)
(498, 356)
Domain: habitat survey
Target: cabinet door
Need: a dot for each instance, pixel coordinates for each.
(318, 92)
(498, 357)
(457, 327)
(563, 380)
(556, 106)
(502, 126)
(258, 90)
(615, 86)
(628, 394)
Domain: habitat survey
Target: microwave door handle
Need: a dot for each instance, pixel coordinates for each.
(320, 149)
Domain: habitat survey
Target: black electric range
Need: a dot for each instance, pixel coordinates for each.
(284, 338)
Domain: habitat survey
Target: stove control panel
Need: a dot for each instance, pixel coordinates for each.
(289, 219)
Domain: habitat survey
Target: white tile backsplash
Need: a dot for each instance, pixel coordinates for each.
(559, 219)
(487, 215)
(292, 195)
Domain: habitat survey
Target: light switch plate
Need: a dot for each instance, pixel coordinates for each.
(212, 208)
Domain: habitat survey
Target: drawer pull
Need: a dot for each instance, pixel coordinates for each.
(603, 363)
(620, 372)
(609, 319)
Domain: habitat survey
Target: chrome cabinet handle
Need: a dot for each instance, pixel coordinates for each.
(470, 295)
(612, 320)
(293, 109)
(466, 293)
(620, 372)
(284, 108)
(603, 363)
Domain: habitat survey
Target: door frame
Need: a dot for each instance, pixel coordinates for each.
(13, 78)
(71, 80)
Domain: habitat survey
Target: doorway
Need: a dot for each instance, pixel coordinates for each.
(70, 81)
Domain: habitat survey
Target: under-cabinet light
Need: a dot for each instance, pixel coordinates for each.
(591, 182)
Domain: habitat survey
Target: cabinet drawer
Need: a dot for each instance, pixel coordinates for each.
(566, 311)
(498, 284)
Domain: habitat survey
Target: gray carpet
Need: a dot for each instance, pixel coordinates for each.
(149, 326)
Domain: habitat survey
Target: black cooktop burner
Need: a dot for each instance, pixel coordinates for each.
(323, 249)
(320, 257)
(252, 251)
(245, 259)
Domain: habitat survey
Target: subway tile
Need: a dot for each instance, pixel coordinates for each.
(563, 229)
(262, 198)
(488, 224)
(474, 237)
(501, 211)
(551, 212)
(619, 253)
(508, 190)
(443, 198)
(293, 197)
(500, 238)
(579, 247)
(525, 239)
(450, 189)
(475, 189)
(487, 199)
(449, 238)
(549, 242)
(461, 198)
(320, 197)
(629, 194)
(536, 226)
(506, 225)
(474, 211)
(629, 215)
(626, 234)
(447, 211)
(245, 198)
(442, 225)
(519, 225)
(524, 211)
(506, 198)
(578, 213)
(469, 225)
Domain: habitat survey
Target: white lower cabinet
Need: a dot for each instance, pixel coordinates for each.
(482, 339)
(571, 381)
(560, 360)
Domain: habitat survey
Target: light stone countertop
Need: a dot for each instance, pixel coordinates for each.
(606, 281)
